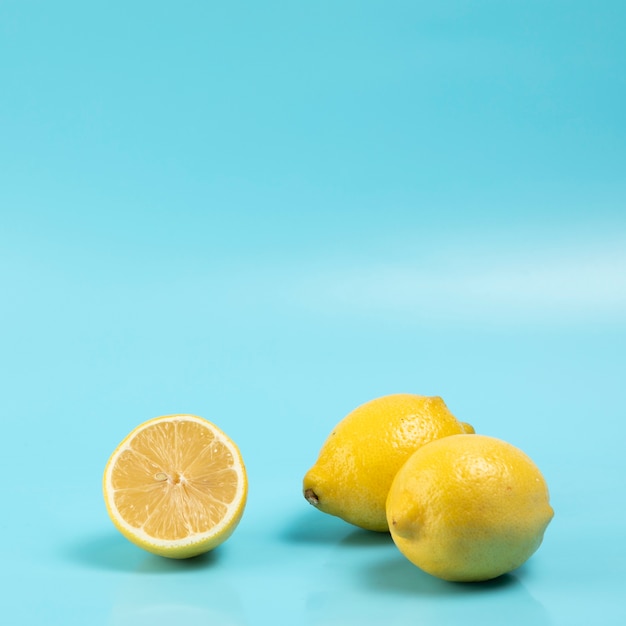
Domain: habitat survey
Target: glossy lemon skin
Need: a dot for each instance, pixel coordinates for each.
(358, 461)
(468, 508)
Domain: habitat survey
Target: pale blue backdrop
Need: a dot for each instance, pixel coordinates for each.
(268, 213)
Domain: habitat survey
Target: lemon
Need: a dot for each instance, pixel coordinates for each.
(358, 461)
(468, 508)
(176, 486)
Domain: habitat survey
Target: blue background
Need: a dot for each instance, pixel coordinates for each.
(269, 213)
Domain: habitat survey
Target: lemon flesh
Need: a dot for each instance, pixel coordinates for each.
(468, 508)
(359, 459)
(176, 486)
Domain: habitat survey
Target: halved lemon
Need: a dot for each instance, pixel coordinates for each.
(176, 486)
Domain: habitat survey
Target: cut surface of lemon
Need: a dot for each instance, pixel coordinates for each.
(176, 486)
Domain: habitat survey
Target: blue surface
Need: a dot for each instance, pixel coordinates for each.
(267, 214)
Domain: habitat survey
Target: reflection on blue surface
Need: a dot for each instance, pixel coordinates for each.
(351, 608)
(146, 602)
(159, 614)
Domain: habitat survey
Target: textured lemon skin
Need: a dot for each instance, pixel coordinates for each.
(468, 508)
(180, 549)
(358, 461)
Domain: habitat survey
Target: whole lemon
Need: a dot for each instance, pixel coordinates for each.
(358, 461)
(468, 508)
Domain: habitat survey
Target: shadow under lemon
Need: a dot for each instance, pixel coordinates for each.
(111, 551)
(370, 583)
(105, 551)
(313, 527)
(156, 591)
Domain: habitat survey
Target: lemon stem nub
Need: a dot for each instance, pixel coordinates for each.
(311, 497)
